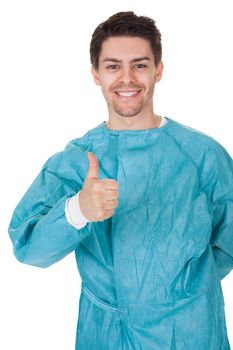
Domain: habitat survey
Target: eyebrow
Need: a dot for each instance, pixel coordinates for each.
(138, 59)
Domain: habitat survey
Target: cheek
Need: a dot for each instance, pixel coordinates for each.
(106, 83)
(104, 93)
(152, 81)
(106, 90)
(148, 79)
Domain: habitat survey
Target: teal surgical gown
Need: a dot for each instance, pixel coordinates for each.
(151, 274)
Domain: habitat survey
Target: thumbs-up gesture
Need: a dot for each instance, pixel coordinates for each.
(98, 197)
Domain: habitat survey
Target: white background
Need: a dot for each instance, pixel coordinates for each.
(48, 98)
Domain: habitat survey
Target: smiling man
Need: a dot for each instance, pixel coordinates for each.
(127, 75)
(145, 202)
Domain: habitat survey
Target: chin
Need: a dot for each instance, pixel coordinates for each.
(128, 113)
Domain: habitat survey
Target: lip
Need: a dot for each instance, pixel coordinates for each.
(127, 93)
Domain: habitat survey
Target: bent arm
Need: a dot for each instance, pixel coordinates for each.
(221, 196)
(39, 230)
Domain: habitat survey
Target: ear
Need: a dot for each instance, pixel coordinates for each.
(159, 72)
(95, 74)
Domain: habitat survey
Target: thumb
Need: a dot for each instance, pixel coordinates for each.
(93, 166)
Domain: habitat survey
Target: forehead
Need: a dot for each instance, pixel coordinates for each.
(125, 48)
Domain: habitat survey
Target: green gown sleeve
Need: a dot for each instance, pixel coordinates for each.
(221, 197)
(39, 230)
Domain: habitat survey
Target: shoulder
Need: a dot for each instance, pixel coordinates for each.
(197, 144)
(72, 159)
(185, 134)
(213, 162)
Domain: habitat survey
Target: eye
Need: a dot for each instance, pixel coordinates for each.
(140, 66)
(112, 66)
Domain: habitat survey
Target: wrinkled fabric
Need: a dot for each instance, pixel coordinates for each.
(151, 274)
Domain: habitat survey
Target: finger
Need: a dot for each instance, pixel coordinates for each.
(111, 194)
(111, 204)
(93, 166)
(110, 184)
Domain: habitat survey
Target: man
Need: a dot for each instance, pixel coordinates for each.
(145, 202)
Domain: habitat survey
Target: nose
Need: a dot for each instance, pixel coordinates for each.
(127, 75)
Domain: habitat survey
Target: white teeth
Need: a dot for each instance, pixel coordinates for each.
(127, 94)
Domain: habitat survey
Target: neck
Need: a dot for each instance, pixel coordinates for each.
(134, 123)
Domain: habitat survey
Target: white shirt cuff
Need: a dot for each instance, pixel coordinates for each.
(73, 212)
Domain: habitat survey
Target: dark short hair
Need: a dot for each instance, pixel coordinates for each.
(126, 24)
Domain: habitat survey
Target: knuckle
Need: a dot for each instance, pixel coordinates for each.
(109, 213)
(96, 186)
(100, 214)
(111, 183)
(115, 184)
(99, 204)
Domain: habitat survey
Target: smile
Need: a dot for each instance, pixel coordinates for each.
(127, 93)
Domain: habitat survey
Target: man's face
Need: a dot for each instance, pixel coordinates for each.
(127, 75)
